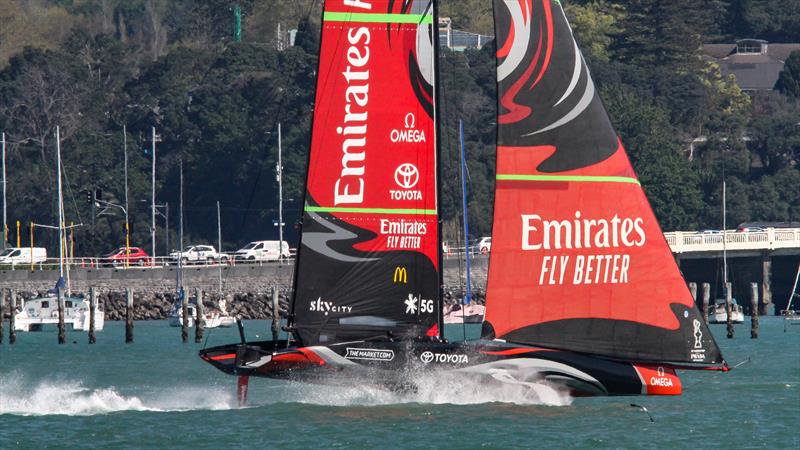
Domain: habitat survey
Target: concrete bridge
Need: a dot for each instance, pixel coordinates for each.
(705, 244)
(768, 257)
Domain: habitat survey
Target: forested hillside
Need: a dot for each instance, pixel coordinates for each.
(93, 67)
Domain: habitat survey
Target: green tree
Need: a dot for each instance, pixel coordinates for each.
(789, 79)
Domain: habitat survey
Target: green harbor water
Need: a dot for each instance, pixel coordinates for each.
(157, 393)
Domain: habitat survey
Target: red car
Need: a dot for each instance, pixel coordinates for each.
(134, 255)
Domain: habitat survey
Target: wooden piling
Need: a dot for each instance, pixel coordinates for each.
(2, 312)
(706, 297)
(92, 308)
(729, 308)
(754, 310)
(766, 286)
(129, 316)
(62, 334)
(12, 332)
(199, 323)
(184, 315)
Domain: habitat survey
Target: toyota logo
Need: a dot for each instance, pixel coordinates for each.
(406, 175)
(426, 357)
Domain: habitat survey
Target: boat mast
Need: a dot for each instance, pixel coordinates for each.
(60, 207)
(468, 296)
(724, 244)
(127, 222)
(279, 174)
(438, 172)
(5, 218)
(219, 243)
(153, 197)
(180, 234)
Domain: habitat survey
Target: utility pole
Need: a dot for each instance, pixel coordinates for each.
(280, 197)
(5, 217)
(153, 198)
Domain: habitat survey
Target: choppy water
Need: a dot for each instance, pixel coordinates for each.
(157, 393)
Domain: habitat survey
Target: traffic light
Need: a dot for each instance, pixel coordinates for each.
(88, 197)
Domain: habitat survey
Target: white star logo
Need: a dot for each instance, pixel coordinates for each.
(411, 304)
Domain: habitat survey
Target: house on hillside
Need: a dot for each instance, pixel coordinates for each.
(754, 62)
(458, 40)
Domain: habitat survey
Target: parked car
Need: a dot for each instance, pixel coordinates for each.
(23, 255)
(134, 255)
(199, 254)
(263, 251)
(748, 229)
(485, 245)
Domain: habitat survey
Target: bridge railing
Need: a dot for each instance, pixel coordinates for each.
(710, 241)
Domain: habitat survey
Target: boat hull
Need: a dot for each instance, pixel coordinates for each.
(398, 365)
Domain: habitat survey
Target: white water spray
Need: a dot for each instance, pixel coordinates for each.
(67, 397)
(437, 388)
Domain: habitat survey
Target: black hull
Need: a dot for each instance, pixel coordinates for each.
(395, 365)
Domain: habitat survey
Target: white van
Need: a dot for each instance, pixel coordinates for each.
(262, 251)
(23, 255)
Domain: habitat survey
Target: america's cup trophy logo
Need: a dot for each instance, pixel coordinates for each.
(406, 175)
(698, 335)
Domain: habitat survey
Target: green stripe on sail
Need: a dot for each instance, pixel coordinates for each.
(427, 212)
(377, 18)
(576, 178)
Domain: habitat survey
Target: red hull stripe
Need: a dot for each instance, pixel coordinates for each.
(222, 357)
(515, 351)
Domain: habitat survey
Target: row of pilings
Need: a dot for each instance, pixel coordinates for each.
(706, 296)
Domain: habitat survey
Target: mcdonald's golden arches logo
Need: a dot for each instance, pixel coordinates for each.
(400, 275)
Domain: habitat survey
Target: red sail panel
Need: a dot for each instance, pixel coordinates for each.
(367, 261)
(578, 259)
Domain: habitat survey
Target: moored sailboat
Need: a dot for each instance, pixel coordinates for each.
(582, 292)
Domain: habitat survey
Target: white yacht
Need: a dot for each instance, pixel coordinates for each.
(39, 312)
(211, 318)
(718, 313)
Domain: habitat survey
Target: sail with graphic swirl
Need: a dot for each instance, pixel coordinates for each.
(578, 259)
(368, 258)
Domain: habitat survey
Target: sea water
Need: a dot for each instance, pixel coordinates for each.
(157, 393)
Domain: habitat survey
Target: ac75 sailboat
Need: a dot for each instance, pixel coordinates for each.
(582, 292)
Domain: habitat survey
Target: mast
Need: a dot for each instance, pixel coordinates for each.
(468, 296)
(724, 244)
(125, 153)
(153, 198)
(5, 217)
(60, 207)
(219, 243)
(279, 170)
(180, 234)
(438, 173)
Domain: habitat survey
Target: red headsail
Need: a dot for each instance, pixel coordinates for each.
(578, 259)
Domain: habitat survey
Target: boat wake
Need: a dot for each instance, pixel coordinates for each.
(438, 388)
(74, 399)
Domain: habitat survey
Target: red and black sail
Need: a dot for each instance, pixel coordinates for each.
(578, 260)
(367, 264)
